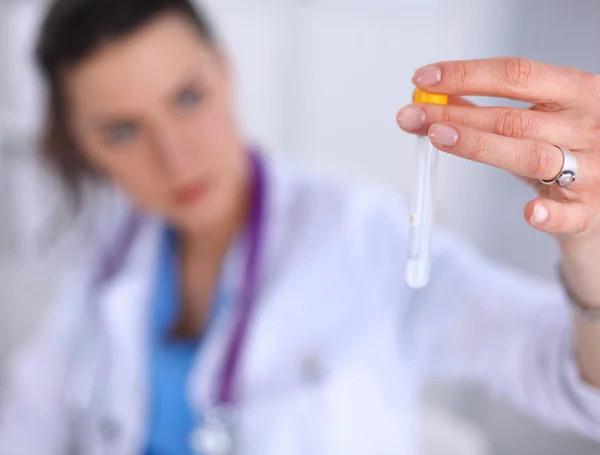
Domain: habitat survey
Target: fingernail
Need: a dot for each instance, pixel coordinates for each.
(443, 135)
(428, 75)
(540, 214)
(411, 118)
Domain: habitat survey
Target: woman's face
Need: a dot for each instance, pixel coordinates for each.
(153, 112)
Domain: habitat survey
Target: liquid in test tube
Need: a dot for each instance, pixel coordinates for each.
(422, 203)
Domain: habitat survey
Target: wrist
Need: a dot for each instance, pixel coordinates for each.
(580, 274)
(580, 269)
(588, 311)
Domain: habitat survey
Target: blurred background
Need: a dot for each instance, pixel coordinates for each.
(320, 81)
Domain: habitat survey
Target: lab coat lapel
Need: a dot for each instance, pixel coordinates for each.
(125, 307)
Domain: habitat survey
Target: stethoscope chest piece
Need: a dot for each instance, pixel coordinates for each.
(217, 434)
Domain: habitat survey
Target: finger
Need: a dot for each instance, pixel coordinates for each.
(413, 118)
(510, 122)
(455, 100)
(527, 158)
(514, 78)
(558, 217)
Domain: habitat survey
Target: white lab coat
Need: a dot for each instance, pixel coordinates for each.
(338, 349)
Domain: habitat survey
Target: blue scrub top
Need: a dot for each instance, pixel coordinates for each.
(171, 421)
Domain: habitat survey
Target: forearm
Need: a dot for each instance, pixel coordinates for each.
(587, 345)
(582, 276)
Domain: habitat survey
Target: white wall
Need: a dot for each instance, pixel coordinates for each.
(321, 81)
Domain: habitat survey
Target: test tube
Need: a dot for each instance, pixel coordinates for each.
(422, 203)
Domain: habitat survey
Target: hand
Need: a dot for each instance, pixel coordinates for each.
(565, 111)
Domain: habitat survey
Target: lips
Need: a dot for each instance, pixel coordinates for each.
(192, 192)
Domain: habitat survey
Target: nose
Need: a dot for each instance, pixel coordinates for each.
(171, 151)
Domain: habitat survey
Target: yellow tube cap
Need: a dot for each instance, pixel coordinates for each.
(421, 96)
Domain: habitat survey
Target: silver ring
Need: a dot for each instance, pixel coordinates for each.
(567, 175)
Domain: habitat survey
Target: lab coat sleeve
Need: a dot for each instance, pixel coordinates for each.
(32, 417)
(480, 321)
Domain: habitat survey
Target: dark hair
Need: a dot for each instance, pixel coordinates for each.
(71, 32)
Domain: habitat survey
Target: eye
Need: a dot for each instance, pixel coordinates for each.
(188, 98)
(120, 133)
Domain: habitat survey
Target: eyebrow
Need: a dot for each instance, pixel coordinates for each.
(188, 78)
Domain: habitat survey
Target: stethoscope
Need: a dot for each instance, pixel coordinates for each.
(216, 433)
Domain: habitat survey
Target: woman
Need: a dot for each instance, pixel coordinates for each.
(233, 305)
